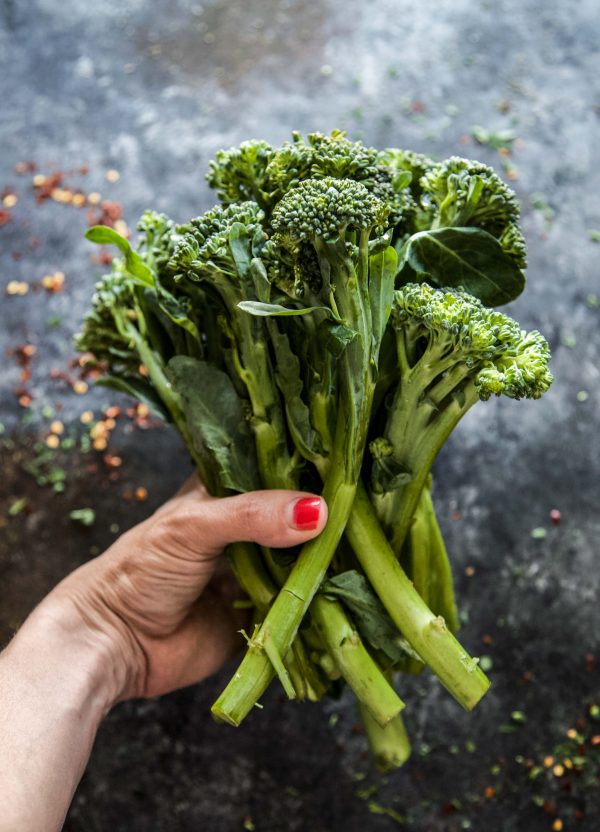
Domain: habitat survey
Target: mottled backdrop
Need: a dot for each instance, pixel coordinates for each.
(119, 105)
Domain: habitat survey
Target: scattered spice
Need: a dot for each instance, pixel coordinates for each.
(17, 287)
(54, 283)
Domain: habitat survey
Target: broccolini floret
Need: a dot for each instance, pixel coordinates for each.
(460, 193)
(452, 351)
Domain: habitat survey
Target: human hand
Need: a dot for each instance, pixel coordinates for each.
(157, 606)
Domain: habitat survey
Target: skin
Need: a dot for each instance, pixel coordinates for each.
(152, 614)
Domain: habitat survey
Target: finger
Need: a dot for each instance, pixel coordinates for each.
(207, 638)
(270, 518)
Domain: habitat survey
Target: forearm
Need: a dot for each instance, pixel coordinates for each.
(56, 683)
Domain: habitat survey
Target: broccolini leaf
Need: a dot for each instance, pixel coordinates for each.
(215, 419)
(289, 381)
(382, 271)
(468, 258)
(141, 390)
(105, 236)
(336, 336)
(175, 310)
(371, 618)
(269, 310)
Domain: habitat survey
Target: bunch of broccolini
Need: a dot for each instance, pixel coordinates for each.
(325, 328)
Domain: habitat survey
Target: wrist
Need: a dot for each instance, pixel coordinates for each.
(71, 663)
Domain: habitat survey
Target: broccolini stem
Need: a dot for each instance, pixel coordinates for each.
(424, 631)
(354, 661)
(290, 606)
(416, 444)
(389, 745)
(441, 589)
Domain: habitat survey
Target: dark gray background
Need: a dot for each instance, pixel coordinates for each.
(154, 89)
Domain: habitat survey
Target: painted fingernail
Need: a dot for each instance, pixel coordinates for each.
(306, 513)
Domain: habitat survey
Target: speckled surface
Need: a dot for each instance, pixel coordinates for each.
(153, 89)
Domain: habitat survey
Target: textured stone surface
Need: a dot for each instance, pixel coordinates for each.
(153, 90)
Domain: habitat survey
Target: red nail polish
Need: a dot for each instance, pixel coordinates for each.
(306, 513)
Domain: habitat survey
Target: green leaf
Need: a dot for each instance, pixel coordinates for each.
(465, 257)
(289, 381)
(174, 310)
(372, 620)
(262, 285)
(336, 336)
(105, 236)
(140, 390)
(240, 246)
(382, 272)
(269, 310)
(215, 418)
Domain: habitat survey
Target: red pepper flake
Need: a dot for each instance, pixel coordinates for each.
(112, 412)
(489, 792)
(357, 728)
(54, 283)
(128, 494)
(5, 217)
(417, 106)
(141, 493)
(26, 167)
(595, 741)
(46, 186)
(527, 677)
(456, 515)
(25, 401)
(487, 639)
(555, 517)
(590, 662)
(105, 258)
(110, 213)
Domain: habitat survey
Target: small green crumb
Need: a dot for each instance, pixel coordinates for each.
(583, 396)
(470, 746)
(17, 506)
(518, 717)
(85, 516)
(485, 663)
(377, 809)
(594, 235)
(569, 341)
(592, 301)
(539, 533)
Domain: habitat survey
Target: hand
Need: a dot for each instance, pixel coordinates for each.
(158, 605)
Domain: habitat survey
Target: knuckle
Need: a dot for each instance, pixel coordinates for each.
(252, 519)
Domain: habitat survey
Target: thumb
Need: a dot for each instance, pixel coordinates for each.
(270, 518)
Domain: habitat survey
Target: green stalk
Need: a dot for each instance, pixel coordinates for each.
(290, 606)
(416, 445)
(354, 662)
(443, 600)
(389, 745)
(425, 632)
